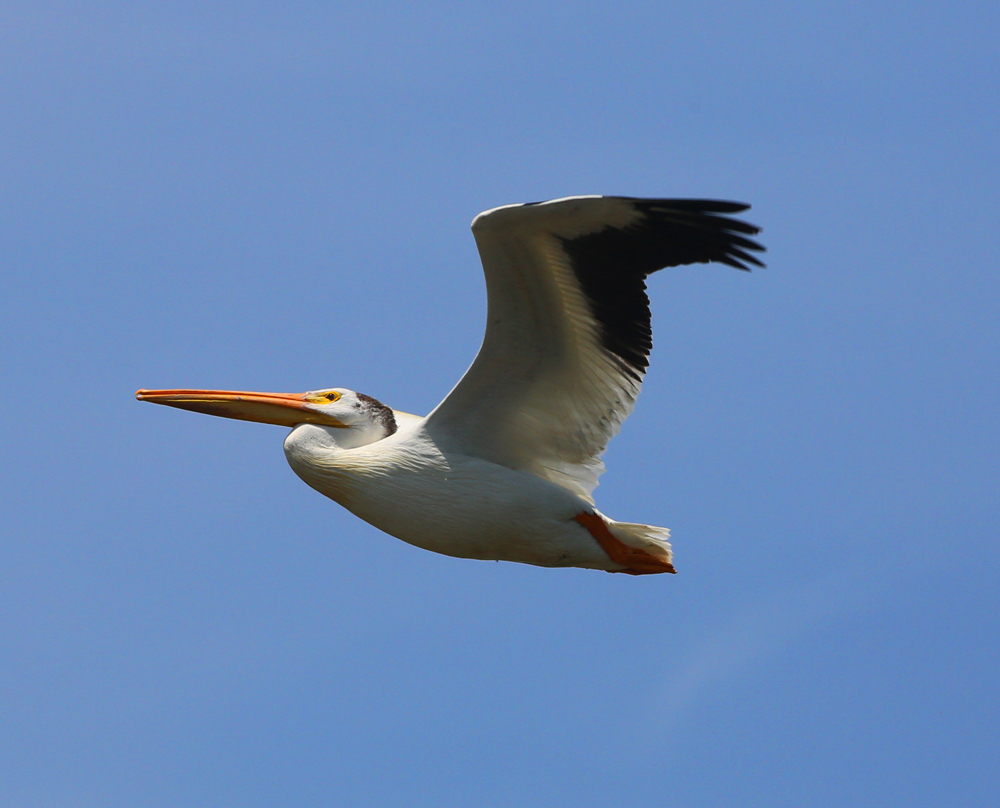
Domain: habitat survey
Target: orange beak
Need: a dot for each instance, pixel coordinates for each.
(284, 409)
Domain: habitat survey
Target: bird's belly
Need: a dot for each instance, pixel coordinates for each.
(465, 507)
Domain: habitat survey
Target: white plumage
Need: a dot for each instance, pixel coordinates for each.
(505, 467)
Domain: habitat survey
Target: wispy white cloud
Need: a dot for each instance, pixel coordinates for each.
(754, 632)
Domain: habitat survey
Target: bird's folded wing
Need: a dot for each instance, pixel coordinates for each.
(568, 329)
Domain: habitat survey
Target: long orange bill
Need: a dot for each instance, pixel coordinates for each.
(284, 409)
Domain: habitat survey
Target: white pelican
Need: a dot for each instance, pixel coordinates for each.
(504, 467)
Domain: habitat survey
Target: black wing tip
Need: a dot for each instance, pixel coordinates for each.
(737, 263)
(704, 214)
(689, 205)
(612, 263)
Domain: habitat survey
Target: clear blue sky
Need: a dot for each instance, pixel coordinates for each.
(277, 197)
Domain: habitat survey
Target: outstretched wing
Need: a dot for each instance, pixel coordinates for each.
(568, 333)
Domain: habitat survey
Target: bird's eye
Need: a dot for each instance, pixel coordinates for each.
(331, 396)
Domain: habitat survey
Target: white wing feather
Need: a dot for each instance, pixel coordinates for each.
(544, 394)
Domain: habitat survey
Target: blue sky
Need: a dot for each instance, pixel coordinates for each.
(277, 197)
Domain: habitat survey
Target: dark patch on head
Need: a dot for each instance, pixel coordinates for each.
(379, 413)
(613, 263)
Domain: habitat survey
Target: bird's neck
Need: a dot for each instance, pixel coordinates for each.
(313, 439)
(331, 460)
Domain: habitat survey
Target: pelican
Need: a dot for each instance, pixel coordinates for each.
(505, 467)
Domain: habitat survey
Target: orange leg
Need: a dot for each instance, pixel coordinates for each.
(639, 562)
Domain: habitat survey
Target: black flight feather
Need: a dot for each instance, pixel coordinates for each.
(612, 264)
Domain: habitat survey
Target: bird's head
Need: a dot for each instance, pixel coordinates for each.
(366, 419)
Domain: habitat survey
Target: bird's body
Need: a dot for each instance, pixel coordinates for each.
(504, 467)
(446, 502)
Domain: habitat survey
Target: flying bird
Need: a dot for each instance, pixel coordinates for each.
(504, 468)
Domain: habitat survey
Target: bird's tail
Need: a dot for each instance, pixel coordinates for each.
(647, 539)
(640, 549)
